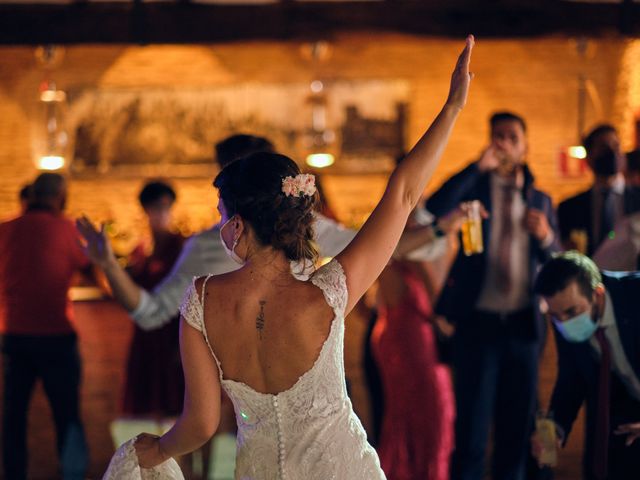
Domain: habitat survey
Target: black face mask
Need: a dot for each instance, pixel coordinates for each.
(608, 163)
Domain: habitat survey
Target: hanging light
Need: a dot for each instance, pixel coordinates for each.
(571, 158)
(51, 162)
(320, 160)
(51, 138)
(320, 139)
(577, 151)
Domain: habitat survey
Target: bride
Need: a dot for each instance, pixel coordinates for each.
(275, 343)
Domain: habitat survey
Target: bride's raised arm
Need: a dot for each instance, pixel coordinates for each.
(369, 252)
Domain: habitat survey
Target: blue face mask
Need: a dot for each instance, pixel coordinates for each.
(577, 329)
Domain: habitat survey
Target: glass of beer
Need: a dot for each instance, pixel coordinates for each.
(472, 229)
(546, 431)
(579, 240)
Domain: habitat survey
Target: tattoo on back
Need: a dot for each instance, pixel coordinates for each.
(260, 318)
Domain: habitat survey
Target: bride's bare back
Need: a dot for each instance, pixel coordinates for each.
(265, 333)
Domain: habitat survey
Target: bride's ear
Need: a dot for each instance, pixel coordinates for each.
(238, 227)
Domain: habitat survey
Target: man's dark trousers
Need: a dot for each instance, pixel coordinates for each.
(496, 368)
(55, 360)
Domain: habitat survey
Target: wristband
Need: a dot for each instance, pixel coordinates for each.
(437, 231)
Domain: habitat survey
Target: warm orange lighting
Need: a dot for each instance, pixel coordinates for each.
(320, 160)
(317, 86)
(577, 151)
(51, 162)
(53, 96)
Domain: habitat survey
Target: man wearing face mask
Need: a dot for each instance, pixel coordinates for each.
(589, 218)
(597, 326)
(488, 296)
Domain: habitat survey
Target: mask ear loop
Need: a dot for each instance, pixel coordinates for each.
(596, 314)
(235, 240)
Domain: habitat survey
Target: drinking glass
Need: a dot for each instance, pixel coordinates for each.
(472, 242)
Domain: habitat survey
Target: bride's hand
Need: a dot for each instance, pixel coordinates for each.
(461, 77)
(148, 450)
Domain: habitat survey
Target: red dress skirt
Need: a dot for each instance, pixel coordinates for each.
(417, 434)
(154, 383)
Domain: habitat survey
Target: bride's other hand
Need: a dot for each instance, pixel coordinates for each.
(148, 450)
(461, 77)
(97, 246)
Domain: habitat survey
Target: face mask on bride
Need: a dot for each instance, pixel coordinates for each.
(230, 251)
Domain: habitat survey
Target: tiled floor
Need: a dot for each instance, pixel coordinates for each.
(104, 331)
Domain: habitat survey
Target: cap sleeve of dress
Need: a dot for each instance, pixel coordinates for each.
(331, 279)
(190, 308)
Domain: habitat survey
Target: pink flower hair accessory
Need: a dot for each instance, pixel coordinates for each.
(301, 184)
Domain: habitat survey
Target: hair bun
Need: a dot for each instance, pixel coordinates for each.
(293, 230)
(252, 187)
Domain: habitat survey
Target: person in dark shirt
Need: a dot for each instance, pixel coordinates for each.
(588, 219)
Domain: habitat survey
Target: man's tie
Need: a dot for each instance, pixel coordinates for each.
(607, 214)
(602, 417)
(506, 237)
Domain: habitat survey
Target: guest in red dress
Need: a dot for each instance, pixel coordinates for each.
(154, 382)
(416, 438)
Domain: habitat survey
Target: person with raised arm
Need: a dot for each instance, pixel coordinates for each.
(274, 343)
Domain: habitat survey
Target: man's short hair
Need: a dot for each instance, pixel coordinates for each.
(47, 186)
(565, 268)
(505, 116)
(590, 138)
(240, 145)
(154, 191)
(633, 161)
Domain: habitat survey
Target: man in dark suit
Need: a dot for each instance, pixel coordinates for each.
(597, 327)
(489, 298)
(587, 219)
(632, 173)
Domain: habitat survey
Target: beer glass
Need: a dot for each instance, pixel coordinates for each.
(546, 432)
(579, 240)
(472, 242)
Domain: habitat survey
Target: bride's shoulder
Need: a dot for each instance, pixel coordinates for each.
(194, 299)
(215, 286)
(197, 289)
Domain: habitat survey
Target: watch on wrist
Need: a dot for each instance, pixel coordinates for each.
(437, 231)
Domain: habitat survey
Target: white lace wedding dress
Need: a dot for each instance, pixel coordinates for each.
(308, 432)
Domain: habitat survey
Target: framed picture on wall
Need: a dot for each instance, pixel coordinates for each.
(171, 132)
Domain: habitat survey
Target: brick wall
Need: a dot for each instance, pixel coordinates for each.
(537, 78)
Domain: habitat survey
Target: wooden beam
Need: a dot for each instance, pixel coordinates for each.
(189, 22)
